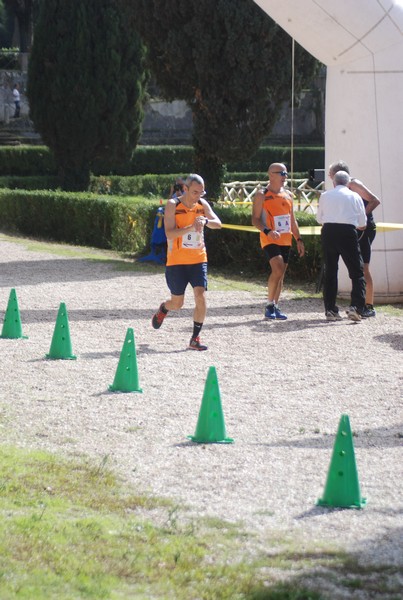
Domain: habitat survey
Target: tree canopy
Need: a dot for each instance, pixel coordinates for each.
(23, 11)
(86, 85)
(230, 62)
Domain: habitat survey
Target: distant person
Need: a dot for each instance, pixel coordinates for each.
(341, 212)
(177, 188)
(368, 235)
(273, 215)
(185, 219)
(17, 101)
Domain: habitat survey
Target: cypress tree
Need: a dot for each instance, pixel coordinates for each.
(86, 86)
(231, 63)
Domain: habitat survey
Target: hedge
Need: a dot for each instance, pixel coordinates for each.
(151, 186)
(126, 225)
(119, 223)
(38, 160)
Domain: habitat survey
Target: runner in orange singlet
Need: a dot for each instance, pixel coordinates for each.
(185, 219)
(273, 215)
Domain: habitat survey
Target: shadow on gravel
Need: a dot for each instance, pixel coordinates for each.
(367, 438)
(85, 315)
(395, 340)
(34, 272)
(373, 572)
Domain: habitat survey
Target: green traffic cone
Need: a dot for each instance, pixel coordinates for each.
(342, 487)
(60, 347)
(126, 377)
(210, 425)
(12, 328)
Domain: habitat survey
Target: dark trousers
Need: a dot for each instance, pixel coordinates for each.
(342, 240)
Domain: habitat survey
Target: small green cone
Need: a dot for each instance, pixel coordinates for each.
(342, 488)
(12, 328)
(126, 377)
(60, 347)
(210, 427)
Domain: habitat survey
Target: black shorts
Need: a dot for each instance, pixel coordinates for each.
(178, 277)
(272, 250)
(365, 240)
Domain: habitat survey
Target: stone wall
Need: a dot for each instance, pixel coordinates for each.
(171, 122)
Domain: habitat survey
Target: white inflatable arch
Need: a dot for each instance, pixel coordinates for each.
(361, 43)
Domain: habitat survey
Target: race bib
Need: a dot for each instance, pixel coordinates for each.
(282, 223)
(191, 240)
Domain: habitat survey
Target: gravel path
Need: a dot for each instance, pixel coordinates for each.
(284, 386)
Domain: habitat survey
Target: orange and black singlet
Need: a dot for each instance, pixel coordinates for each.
(276, 215)
(189, 249)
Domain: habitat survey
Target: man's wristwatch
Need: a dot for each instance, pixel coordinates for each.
(266, 231)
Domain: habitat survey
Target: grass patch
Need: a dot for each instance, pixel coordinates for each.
(72, 530)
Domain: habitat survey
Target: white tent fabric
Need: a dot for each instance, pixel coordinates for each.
(361, 43)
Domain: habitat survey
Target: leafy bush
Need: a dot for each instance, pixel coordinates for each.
(9, 59)
(80, 218)
(29, 182)
(38, 160)
(26, 160)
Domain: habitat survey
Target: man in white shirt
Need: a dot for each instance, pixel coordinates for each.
(17, 101)
(341, 212)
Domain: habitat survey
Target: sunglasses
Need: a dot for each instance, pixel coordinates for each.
(282, 173)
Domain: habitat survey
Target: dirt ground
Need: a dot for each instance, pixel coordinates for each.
(283, 388)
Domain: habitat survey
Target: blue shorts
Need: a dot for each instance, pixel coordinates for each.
(272, 250)
(178, 276)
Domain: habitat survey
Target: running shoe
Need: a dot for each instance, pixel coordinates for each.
(353, 314)
(158, 318)
(369, 310)
(195, 344)
(269, 312)
(279, 315)
(333, 315)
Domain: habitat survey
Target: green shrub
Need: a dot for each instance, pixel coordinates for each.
(26, 160)
(150, 186)
(80, 218)
(9, 59)
(38, 160)
(305, 158)
(29, 182)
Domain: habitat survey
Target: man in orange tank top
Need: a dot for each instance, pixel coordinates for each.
(185, 219)
(273, 215)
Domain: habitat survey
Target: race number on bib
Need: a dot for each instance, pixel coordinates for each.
(282, 223)
(190, 240)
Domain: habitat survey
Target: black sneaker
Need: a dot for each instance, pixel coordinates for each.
(158, 318)
(369, 310)
(279, 315)
(269, 312)
(195, 344)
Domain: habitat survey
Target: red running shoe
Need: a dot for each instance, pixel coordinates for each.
(195, 344)
(158, 318)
